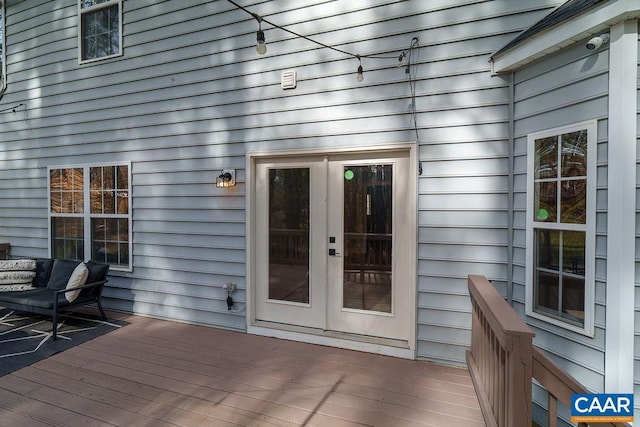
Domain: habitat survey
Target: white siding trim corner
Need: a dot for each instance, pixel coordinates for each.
(621, 208)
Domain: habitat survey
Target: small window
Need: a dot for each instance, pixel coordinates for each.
(100, 29)
(90, 214)
(560, 226)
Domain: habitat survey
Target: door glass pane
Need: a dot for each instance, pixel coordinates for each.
(367, 237)
(289, 234)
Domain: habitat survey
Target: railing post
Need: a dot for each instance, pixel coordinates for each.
(501, 357)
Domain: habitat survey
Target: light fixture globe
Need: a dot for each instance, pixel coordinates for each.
(226, 179)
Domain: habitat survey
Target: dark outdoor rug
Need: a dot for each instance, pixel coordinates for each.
(26, 338)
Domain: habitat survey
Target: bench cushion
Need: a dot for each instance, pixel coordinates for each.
(16, 277)
(97, 271)
(43, 271)
(61, 273)
(39, 297)
(78, 278)
(17, 265)
(17, 271)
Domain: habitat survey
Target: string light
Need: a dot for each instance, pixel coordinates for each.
(12, 109)
(261, 47)
(359, 75)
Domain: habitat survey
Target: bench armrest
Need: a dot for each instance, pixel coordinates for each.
(85, 286)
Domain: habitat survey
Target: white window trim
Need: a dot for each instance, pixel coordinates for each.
(590, 235)
(81, 11)
(87, 209)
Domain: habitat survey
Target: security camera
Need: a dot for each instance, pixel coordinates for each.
(596, 42)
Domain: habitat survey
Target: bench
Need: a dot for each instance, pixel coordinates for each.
(56, 286)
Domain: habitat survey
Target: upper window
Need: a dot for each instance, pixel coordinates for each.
(100, 29)
(561, 226)
(90, 214)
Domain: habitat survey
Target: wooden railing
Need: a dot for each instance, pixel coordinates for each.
(503, 361)
(559, 385)
(500, 357)
(4, 250)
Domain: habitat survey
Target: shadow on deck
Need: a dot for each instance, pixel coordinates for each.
(155, 372)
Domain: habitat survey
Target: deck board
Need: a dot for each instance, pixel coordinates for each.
(161, 373)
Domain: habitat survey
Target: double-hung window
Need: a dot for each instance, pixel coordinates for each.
(90, 213)
(561, 226)
(100, 32)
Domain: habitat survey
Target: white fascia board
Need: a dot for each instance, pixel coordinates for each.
(588, 24)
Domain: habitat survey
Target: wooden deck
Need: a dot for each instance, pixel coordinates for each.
(159, 373)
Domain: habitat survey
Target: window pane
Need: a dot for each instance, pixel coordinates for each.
(66, 186)
(573, 252)
(289, 203)
(67, 238)
(545, 201)
(560, 292)
(101, 32)
(547, 244)
(546, 158)
(548, 286)
(574, 201)
(573, 298)
(103, 191)
(122, 202)
(108, 238)
(574, 154)
(122, 177)
(367, 267)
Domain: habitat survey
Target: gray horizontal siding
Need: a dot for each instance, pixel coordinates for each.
(190, 97)
(568, 87)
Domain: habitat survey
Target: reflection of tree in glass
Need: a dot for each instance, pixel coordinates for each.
(67, 190)
(109, 190)
(574, 154)
(100, 31)
(546, 158)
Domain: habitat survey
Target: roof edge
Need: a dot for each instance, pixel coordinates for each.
(599, 19)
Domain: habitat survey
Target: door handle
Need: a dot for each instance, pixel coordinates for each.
(333, 252)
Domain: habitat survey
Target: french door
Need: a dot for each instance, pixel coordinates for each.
(333, 243)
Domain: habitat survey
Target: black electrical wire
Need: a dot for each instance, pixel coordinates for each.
(344, 52)
(12, 109)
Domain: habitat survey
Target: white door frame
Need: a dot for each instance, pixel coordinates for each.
(335, 339)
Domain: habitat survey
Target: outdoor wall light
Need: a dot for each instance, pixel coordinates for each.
(226, 179)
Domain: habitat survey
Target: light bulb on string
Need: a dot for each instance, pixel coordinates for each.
(261, 47)
(360, 75)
